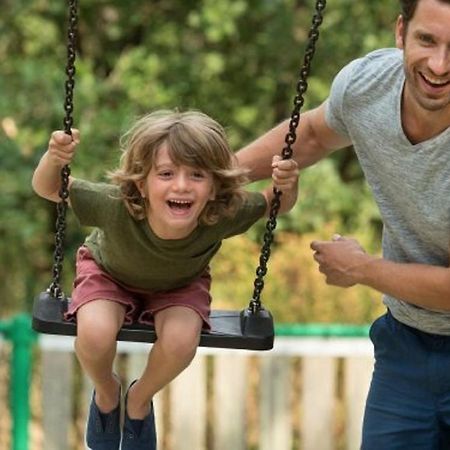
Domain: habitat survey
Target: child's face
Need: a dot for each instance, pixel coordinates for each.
(176, 195)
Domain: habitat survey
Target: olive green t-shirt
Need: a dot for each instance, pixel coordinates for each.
(129, 250)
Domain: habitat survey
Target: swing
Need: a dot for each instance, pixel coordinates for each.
(251, 328)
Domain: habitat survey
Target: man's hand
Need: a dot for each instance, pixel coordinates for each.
(342, 260)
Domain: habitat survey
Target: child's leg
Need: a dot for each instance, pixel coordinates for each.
(178, 329)
(98, 323)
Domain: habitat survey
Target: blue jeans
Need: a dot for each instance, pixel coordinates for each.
(408, 406)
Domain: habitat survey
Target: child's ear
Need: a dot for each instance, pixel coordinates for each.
(140, 187)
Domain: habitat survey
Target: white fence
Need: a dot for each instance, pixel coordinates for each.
(307, 393)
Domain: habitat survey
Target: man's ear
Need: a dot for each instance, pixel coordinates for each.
(400, 30)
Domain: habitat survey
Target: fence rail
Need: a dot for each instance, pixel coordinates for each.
(307, 393)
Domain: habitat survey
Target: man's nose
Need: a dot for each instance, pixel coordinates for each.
(439, 62)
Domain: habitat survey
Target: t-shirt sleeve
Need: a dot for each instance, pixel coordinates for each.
(251, 211)
(92, 202)
(335, 104)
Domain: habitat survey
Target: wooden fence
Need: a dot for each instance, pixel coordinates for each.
(307, 393)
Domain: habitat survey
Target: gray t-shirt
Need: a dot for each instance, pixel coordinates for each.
(410, 183)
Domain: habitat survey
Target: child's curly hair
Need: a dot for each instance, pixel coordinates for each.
(192, 139)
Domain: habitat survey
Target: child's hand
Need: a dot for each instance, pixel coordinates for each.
(284, 173)
(61, 147)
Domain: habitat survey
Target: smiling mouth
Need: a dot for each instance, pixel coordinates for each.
(179, 205)
(433, 82)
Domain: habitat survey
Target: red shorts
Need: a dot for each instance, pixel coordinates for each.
(93, 283)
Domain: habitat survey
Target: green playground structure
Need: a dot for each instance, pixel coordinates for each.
(18, 331)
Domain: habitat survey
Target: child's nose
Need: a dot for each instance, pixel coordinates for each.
(181, 182)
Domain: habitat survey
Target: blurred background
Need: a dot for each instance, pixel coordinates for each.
(236, 60)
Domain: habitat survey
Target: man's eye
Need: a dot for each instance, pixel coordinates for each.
(426, 39)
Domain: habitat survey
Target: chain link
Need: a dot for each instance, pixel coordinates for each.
(302, 86)
(61, 208)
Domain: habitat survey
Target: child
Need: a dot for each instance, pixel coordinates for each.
(176, 194)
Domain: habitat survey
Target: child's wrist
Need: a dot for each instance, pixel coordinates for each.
(51, 161)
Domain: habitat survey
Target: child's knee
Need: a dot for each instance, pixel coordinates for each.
(96, 335)
(180, 342)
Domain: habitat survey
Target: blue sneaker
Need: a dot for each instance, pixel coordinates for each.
(145, 439)
(102, 430)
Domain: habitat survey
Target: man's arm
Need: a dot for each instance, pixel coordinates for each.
(315, 140)
(345, 263)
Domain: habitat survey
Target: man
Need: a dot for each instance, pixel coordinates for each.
(393, 106)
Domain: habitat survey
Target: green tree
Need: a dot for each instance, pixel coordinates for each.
(237, 60)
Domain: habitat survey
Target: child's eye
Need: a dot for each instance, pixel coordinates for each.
(165, 174)
(198, 174)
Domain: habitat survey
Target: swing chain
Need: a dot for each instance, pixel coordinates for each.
(302, 86)
(61, 208)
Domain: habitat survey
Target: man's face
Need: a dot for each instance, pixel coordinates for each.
(426, 44)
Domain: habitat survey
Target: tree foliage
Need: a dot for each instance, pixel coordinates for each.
(236, 60)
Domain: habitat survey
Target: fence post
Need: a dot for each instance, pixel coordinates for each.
(357, 375)
(275, 406)
(229, 411)
(318, 397)
(189, 417)
(57, 381)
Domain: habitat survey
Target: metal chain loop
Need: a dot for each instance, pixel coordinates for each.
(61, 208)
(302, 86)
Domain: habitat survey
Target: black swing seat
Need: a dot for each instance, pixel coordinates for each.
(229, 329)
